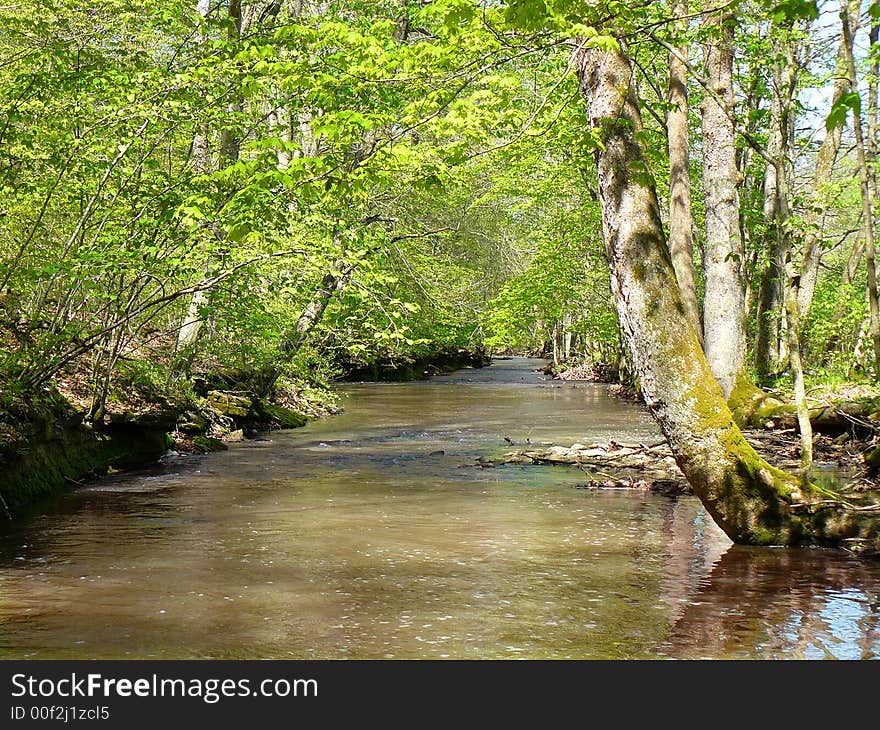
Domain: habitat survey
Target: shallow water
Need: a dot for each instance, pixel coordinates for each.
(356, 537)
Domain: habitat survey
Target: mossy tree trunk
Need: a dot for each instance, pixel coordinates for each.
(752, 501)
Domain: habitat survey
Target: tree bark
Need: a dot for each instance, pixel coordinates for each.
(293, 339)
(681, 243)
(751, 501)
(723, 305)
(201, 153)
(797, 370)
(779, 283)
(191, 327)
(865, 189)
(769, 351)
(230, 141)
(333, 281)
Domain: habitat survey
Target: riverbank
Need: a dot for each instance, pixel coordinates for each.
(51, 444)
(416, 367)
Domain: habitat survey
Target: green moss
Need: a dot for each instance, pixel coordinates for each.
(69, 452)
(708, 404)
(872, 459)
(763, 536)
(206, 444)
(752, 407)
(230, 404)
(284, 417)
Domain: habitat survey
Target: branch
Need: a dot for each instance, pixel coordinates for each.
(86, 343)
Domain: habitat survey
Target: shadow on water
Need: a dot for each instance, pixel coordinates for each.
(374, 534)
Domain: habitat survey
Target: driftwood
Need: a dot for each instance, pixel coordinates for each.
(658, 486)
(651, 467)
(623, 456)
(635, 466)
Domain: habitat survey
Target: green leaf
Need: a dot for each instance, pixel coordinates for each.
(789, 11)
(837, 116)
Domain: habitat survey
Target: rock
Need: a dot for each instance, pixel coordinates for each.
(206, 444)
(192, 423)
(155, 420)
(235, 436)
(283, 417)
(230, 404)
(872, 460)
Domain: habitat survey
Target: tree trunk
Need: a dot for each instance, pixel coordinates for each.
(681, 243)
(872, 77)
(230, 141)
(188, 332)
(864, 186)
(825, 160)
(201, 153)
(567, 336)
(293, 339)
(333, 281)
(723, 306)
(769, 357)
(797, 370)
(191, 327)
(751, 501)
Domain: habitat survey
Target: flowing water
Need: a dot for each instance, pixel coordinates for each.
(373, 534)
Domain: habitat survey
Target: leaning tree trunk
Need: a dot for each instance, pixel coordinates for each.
(723, 305)
(292, 340)
(825, 161)
(865, 189)
(681, 241)
(752, 501)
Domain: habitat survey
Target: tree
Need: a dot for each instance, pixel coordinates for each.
(723, 306)
(751, 501)
(769, 341)
(681, 244)
(865, 189)
(825, 161)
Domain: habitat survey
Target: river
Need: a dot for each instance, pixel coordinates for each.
(374, 534)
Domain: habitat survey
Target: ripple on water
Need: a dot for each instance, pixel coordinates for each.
(349, 538)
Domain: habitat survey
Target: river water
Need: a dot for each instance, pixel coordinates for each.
(373, 534)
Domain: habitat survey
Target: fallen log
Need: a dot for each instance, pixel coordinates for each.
(652, 466)
(754, 408)
(634, 461)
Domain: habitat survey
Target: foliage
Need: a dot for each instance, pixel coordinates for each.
(155, 162)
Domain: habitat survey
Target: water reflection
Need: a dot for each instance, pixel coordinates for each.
(804, 604)
(374, 535)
